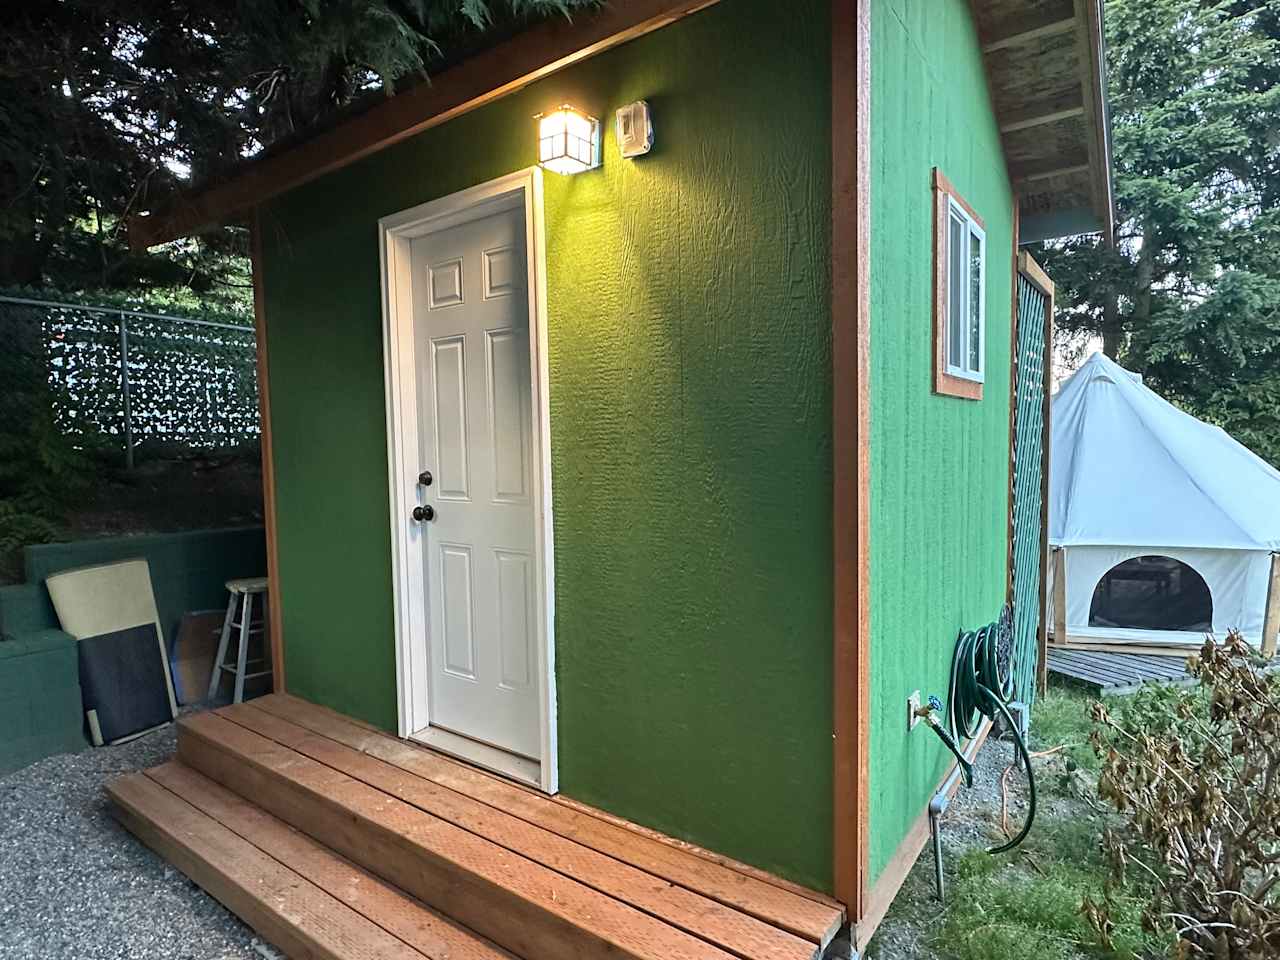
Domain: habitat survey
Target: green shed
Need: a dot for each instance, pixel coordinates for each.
(650, 399)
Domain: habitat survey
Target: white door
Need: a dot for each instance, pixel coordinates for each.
(471, 317)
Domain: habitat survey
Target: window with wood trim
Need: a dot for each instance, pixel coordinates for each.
(959, 294)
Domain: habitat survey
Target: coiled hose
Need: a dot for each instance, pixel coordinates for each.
(979, 687)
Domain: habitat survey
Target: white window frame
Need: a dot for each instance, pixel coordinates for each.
(963, 288)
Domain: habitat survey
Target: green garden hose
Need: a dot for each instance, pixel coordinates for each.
(982, 686)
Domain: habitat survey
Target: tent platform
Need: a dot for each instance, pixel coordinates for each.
(1117, 674)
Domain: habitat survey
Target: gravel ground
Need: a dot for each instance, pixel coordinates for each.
(75, 884)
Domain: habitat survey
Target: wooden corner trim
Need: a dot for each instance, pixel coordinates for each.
(274, 609)
(1014, 332)
(1034, 273)
(851, 465)
(944, 383)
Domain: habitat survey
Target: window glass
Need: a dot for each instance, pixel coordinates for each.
(956, 292)
(974, 364)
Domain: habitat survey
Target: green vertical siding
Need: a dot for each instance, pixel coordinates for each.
(690, 428)
(939, 466)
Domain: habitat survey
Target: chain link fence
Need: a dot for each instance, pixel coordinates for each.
(142, 382)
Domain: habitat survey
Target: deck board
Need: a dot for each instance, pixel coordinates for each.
(422, 928)
(741, 934)
(1116, 673)
(289, 910)
(336, 841)
(810, 917)
(526, 907)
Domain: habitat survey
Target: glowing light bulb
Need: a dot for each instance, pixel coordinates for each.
(568, 140)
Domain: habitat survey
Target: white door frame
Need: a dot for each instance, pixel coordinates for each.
(520, 190)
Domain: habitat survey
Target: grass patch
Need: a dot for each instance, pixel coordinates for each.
(1027, 903)
(1061, 718)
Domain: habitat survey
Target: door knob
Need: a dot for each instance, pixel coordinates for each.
(425, 478)
(423, 514)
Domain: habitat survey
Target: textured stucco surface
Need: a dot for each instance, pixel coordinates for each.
(939, 465)
(690, 402)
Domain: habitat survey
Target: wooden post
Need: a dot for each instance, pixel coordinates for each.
(1059, 596)
(274, 611)
(1271, 622)
(851, 465)
(1042, 626)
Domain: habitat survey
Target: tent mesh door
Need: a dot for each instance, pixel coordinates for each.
(1028, 464)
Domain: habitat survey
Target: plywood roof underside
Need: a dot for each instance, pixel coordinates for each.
(1044, 62)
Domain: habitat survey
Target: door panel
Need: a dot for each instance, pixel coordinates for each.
(448, 370)
(509, 414)
(476, 422)
(457, 602)
(515, 627)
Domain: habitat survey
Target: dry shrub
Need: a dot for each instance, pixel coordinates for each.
(1196, 774)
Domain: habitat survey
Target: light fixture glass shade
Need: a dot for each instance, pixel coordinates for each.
(568, 140)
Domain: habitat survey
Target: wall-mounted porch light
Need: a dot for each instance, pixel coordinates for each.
(568, 140)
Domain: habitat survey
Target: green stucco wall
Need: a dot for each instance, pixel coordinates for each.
(939, 466)
(690, 428)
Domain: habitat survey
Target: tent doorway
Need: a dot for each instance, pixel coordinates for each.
(1152, 593)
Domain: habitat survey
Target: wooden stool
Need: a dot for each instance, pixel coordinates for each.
(241, 602)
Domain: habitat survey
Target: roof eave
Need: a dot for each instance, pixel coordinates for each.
(1045, 63)
(502, 69)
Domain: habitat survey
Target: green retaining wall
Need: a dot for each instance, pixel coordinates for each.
(939, 465)
(40, 705)
(189, 569)
(690, 427)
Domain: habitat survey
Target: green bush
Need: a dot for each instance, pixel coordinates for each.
(41, 469)
(1196, 775)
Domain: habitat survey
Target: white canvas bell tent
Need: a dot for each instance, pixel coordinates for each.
(1164, 525)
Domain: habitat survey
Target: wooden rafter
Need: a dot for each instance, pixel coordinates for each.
(1045, 171)
(1049, 22)
(1041, 114)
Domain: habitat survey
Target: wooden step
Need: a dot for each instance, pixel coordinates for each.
(786, 906)
(532, 910)
(739, 933)
(301, 897)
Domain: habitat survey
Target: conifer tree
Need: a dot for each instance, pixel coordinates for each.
(1190, 295)
(108, 106)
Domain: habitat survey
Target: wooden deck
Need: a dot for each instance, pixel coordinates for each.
(333, 840)
(1117, 674)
